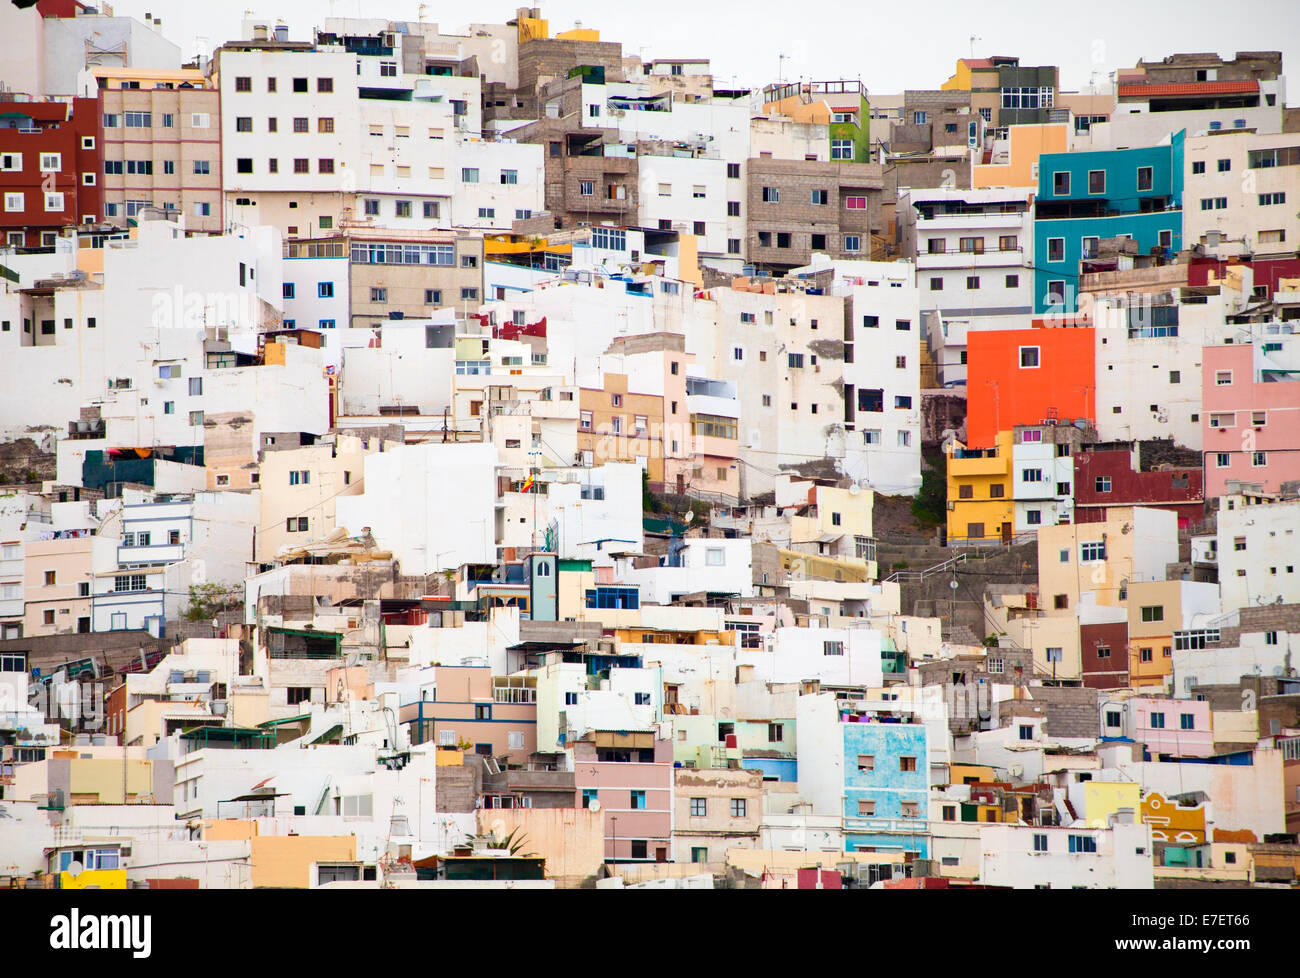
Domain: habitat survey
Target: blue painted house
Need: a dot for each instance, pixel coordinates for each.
(886, 787)
(1085, 197)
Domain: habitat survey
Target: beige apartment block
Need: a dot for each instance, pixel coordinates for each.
(161, 145)
(300, 486)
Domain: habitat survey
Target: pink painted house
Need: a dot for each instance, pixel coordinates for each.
(630, 774)
(1250, 408)
(1178, 728)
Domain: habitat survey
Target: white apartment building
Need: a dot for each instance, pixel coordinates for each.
(434, 506)
(496, 183)
(1044, 857)
(167, 545)
(717, 565)
(880, 350)
(1244, 187)
(1258, 540)
(1148, 361)
(972, 251)
(1042, 488)
(137, 344)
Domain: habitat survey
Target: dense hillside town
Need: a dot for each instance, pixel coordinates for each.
(440, 456)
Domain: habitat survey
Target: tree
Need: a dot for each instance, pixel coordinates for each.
(208, 600)
(930, 504)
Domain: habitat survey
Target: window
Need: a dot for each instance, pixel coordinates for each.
(699, 807)
(243, 84)
(866, 808)
(1056, 249)
(130, 582)
(1092, 551)
(1145, 178)
(738, 807)
(1026, 731)
(1096, 181)
(1040, 842)
(918, 118)
(586, 188)
(771, 195)
(1281, 156)
(378, 294)
(866, 762)
(936, 284)
(1154, 612)
(1157, 719)
(852, 242)
(841, 149)
(1029, 356)
(972, 282)
(1101, 483)
(855, 203)
(1083, 843)
(832, 648)
(907, 763)
(1258, 459)
(637, 800)
(819, 197)
(1061, 184)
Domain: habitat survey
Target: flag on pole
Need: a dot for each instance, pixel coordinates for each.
(528, 483)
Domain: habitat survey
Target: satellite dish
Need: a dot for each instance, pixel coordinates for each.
(593, 805)
(953, 584)
(854, 489)
(690, 515)
(75, 868)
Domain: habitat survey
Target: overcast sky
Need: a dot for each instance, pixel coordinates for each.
(890, 46)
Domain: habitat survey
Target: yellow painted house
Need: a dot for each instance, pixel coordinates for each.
(979, 491)
(1102, 799)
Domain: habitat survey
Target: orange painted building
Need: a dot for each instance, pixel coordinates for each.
(1021, 376)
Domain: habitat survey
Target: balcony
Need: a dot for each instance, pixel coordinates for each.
(157, 553)
(859, 825)
(967, 222)
(970, 259)
(971, 464)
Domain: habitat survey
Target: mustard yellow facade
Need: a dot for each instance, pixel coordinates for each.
(979, 492)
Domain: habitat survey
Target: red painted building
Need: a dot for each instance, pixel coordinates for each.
(1113, 477)
(49, 169)
(1103, 655)
(1266, 271)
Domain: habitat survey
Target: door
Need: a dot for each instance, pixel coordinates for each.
(681, 484)
(1006, 534)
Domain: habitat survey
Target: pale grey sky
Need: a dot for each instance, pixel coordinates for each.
(890, 46)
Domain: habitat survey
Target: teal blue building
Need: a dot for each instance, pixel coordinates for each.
(886, 787)
(1085, 197)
